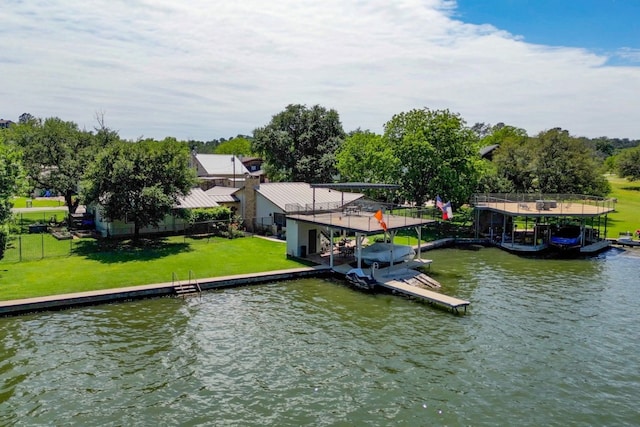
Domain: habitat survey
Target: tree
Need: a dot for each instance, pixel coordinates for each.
(299, 144)
(139, 181)
(563, 164)
(239, 146)
(491, 181)
(628, 163)
(55, 155)
(26, 118)
(10, 178)
(513, 159)
(437, 155)
(104, 135)
(366, 157)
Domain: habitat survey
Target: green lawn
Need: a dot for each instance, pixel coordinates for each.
(39, 216)
(128, 266)
(627, 214)
(21, 202)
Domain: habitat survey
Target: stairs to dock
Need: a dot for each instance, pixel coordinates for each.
(192, 287)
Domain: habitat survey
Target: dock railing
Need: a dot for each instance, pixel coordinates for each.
(528, 203)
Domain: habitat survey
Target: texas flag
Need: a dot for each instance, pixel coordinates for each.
(447, 212)
(439, 204)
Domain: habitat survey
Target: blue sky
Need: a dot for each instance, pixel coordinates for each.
(201, 69)
(609, 27)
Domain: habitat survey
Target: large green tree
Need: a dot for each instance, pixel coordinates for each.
(513, 158)
(563, 164)
(56, 154)
(139, 181)
(628, 163)
(10, 178)
(367, 157)
(551, 162)
(437, 153)
(299, 144)
(239, 146)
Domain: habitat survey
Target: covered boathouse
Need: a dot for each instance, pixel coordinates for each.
(309, 224)
(535, 223)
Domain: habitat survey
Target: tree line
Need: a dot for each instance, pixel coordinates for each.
(427, 152)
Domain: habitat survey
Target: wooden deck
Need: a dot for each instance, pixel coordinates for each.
(433, 297)
(531, 209)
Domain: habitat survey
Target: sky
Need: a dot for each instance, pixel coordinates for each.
(206, 69)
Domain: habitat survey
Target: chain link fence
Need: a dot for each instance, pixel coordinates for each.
(44, 234)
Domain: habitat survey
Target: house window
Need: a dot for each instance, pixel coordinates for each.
(279, 219)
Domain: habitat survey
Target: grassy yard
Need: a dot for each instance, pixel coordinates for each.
(627, 214)
(21, 202)
(91, 269)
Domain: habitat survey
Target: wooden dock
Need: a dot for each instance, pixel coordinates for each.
(405, 278)
(431, 296)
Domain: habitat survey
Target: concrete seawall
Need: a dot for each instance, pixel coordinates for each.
(65, 301)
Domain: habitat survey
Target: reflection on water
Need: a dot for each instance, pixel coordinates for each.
(545, 343)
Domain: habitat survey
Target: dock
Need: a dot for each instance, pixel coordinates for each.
(433, 297)
(402, 278)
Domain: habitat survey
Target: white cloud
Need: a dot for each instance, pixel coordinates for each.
(203, 70)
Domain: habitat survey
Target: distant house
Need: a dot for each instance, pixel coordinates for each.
(172, 222)
(219, 169)
(487, 152)
(267, 204)
(4, 124)
(254, 166)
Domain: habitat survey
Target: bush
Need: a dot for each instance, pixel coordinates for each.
(220, 213)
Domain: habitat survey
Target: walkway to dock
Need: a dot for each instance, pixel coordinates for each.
(431, 296)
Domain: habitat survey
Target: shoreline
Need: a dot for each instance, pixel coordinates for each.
(155, 290)
(16, 307)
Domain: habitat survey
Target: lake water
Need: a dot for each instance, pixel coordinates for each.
(545, 342)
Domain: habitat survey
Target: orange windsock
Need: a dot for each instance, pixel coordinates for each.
(378, 215)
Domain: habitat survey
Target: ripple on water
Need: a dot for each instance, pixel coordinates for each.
(544, 343)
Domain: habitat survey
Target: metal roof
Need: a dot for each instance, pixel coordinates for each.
(301, 193)
(484, 151)
(364, 222)
(222, 194)
(197, 199)
(221, 164)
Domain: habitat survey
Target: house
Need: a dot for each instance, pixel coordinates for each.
(224, 170)
(487, 152)
(4, 124)
(172, 223)
(266, 205)
(254, 166)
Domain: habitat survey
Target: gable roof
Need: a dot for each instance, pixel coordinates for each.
(300, 193)
(221, 164)
(196, 199)
(222, 194)
(488, 150)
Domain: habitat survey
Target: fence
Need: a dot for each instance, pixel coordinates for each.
(32, 238)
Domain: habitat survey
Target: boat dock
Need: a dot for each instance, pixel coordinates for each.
(403, 278)
(431, 296)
